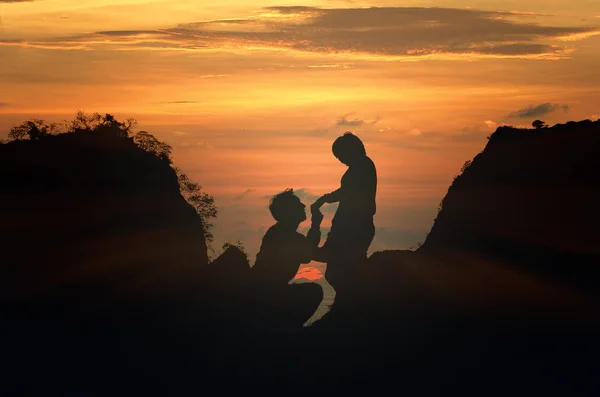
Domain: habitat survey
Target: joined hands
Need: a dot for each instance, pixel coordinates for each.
(319, 203)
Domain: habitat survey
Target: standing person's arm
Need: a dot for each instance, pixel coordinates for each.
(339, 194)
(332, 197)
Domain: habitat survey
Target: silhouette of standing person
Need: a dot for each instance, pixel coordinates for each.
(352, 228)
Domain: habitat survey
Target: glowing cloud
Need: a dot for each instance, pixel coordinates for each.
(388, 32)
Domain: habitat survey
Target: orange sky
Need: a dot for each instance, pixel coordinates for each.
(252, 94)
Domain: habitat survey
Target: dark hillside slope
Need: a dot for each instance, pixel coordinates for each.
(531, 196)
(101, 257)
(95, 213)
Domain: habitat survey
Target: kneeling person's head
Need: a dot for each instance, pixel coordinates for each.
(287, 207)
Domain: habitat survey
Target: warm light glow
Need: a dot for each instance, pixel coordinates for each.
(308, 274)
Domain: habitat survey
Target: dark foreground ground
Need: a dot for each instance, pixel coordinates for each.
(413, 325)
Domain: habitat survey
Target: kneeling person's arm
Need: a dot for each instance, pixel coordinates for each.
(313, 237)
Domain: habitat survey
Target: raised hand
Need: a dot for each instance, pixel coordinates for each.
(317, 204)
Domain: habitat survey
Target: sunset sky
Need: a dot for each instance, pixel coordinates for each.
(251, 94)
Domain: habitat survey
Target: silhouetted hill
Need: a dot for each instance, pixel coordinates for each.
(101, 259)
(96, 213)
(530, 197)
(106, 287)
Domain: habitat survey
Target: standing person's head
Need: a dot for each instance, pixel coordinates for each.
(287, 208)
(348, 148)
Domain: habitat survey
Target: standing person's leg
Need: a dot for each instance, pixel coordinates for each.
(331, 253)
(346, 253)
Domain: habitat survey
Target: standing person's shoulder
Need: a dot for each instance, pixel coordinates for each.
(369, 164)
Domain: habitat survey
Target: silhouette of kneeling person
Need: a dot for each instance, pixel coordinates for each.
(282, 251)
(352, 228)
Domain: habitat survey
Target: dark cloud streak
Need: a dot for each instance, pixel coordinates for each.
(538, 110)
(344, 122)
(244, 194)
(387, 31)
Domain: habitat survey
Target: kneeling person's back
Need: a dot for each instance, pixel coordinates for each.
(283, 249)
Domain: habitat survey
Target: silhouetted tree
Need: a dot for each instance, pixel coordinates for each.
(539, 124)
(150, 144)
(105, 124)
(466, 165)
(34, 129)
(203, 203)
(84, 122)
(108, 125)
(238, 244)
